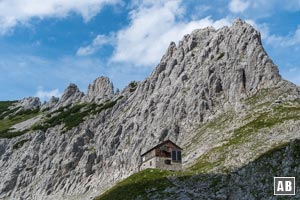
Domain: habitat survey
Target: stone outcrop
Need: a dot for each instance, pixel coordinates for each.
(28, 103)
(71, 95)
(51, 103)
(211, 76)
(100, 89)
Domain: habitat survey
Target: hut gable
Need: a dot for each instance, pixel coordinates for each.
(166, 155)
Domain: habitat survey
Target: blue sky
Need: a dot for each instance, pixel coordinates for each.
(45, 45)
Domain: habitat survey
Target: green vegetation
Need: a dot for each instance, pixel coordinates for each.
(264, 97)
(265, 117)
(73, 116)
(5, 104)
(5, 124)
(216, 124)
(128, 141)
(91, 149)
(220, 56)
(28, 112)
(185, 90)
(158, 184)
(258, 96)
(133, 86)
(69, 116)
(136, 185)
(204, 164)
(11, 134)
(15, 118)
(4, 108)
(278, 114)
(20, 143)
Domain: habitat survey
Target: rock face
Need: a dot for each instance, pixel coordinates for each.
(71, 95)
(204, 91)
(51, 103)
(29, 103)
(100, 89)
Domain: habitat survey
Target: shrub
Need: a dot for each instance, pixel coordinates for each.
(220, 56)
(20, 144)
(73, 116)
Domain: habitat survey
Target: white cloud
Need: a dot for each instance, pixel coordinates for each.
(292, 74)
(13, 12)
(97, 43)
(201, 10)
(267, 5)
(238, 6)
(151, 30)
(290, 40)
(262, 9)
(46, 95)
(152, 27)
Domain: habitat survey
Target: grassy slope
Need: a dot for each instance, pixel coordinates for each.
(264, 115)
(4, 108)
(138, 185)
(159, 184)
(70, 116)
(8, 119)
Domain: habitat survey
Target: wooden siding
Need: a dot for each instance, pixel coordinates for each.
(149, 155)
(166, 150)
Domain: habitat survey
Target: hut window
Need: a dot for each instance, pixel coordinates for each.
(176, 155)
(179, 155)
(168, 162)
(173, 155)
(150, 163)
(143, 158)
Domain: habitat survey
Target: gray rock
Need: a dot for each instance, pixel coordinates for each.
(27, 124)
(100, 89)
(71, 95)
(28, 103)
(50, 104)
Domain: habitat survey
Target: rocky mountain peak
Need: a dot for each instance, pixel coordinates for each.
(239, 22)
(229, 61)
(29, 103)
(51, 103)
(101, 88)
(71, 95)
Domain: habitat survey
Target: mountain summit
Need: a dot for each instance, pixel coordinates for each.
(217, 94)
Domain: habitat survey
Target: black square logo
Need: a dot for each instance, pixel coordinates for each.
(284, 185)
